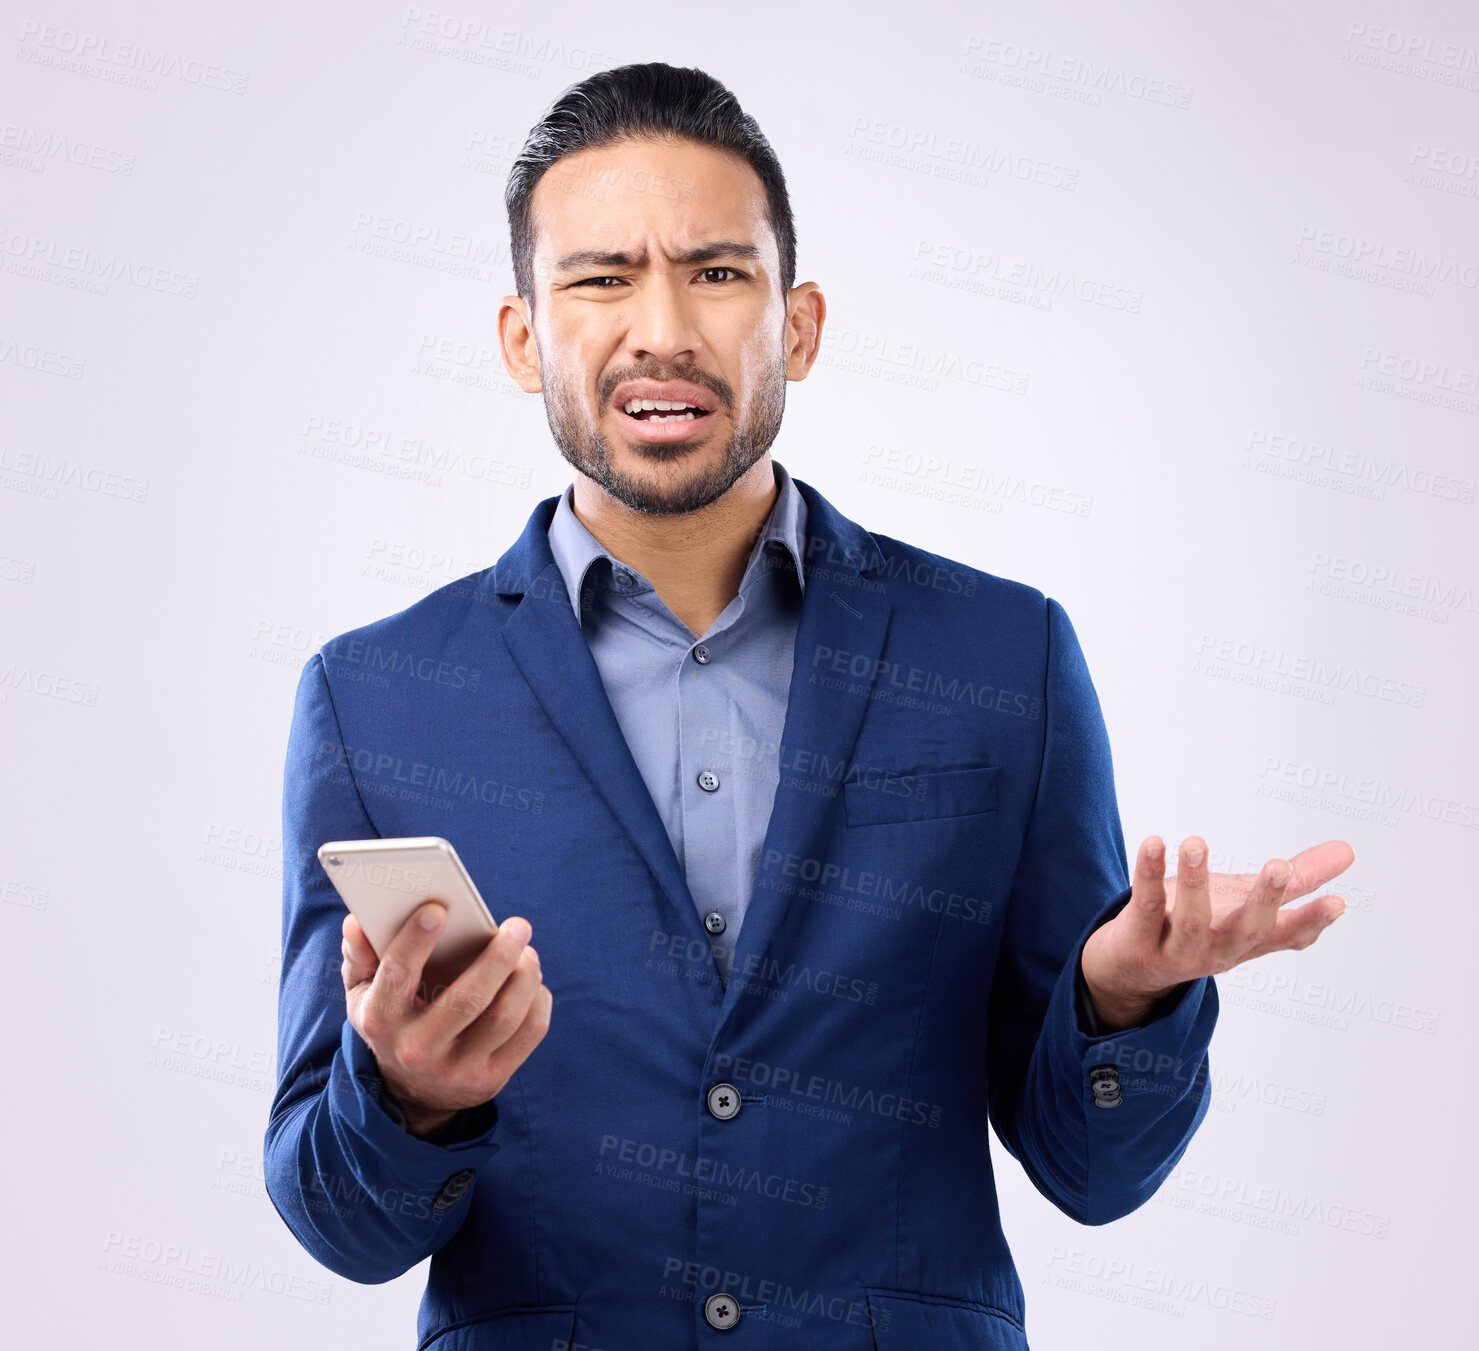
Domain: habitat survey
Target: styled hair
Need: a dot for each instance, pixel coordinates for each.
(650, 101)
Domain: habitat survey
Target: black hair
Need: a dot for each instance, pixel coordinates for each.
(649, 101)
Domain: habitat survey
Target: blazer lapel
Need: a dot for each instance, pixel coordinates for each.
(545, 640)
(839, 619)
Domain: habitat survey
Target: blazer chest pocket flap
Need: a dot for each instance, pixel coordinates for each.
(921, 797)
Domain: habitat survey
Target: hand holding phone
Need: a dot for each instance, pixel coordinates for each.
(383, 880)
(442, 1047)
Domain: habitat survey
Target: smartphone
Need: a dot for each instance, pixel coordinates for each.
(384, 881)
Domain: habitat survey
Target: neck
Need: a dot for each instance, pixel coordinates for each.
(696, 560)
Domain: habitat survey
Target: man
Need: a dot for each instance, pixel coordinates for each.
(817, 830)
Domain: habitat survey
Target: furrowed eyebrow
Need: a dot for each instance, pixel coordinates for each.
(704, 253)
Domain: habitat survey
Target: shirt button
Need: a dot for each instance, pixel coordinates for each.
(708, 781)
(624, 579)
(723, 1102)
(702, 655)
(721, 1311)
(714, 922)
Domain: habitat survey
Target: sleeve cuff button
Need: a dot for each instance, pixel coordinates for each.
(1105, 1080)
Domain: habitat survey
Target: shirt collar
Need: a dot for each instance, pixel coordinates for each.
(576, 549)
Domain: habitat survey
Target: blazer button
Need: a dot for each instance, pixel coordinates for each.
(714, 922)
(1105, 1080)
(721, 1311)
(453, 1188)
(723, 1102)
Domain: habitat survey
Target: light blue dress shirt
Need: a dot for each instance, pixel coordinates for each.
(702, 714)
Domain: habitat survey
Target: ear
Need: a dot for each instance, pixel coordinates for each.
(806, 311)
(516, 343)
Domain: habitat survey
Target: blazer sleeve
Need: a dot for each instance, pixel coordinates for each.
(1097, 1155)
(364, 1196)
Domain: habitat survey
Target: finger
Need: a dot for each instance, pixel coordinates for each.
(392, 994)
(360, 960)
(1317, 865)
(1300, 926)
(498, 1023)
(1147, 907)
(455, 1008)
(1191, 916)
(507, 1058)
(1254, 920)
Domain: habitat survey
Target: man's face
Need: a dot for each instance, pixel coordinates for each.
(653, 262)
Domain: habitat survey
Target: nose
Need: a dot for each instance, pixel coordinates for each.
(663, 325)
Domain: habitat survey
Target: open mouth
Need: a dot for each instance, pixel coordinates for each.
(662, 410)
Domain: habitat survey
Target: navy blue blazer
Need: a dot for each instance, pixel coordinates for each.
(799, 1158)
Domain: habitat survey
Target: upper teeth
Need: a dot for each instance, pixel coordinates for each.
(658, 405)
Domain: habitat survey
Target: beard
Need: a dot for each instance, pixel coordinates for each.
(586, 448)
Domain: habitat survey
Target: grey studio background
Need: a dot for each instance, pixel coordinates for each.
(1170, 311)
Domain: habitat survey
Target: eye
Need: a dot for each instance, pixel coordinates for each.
(598, 283)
